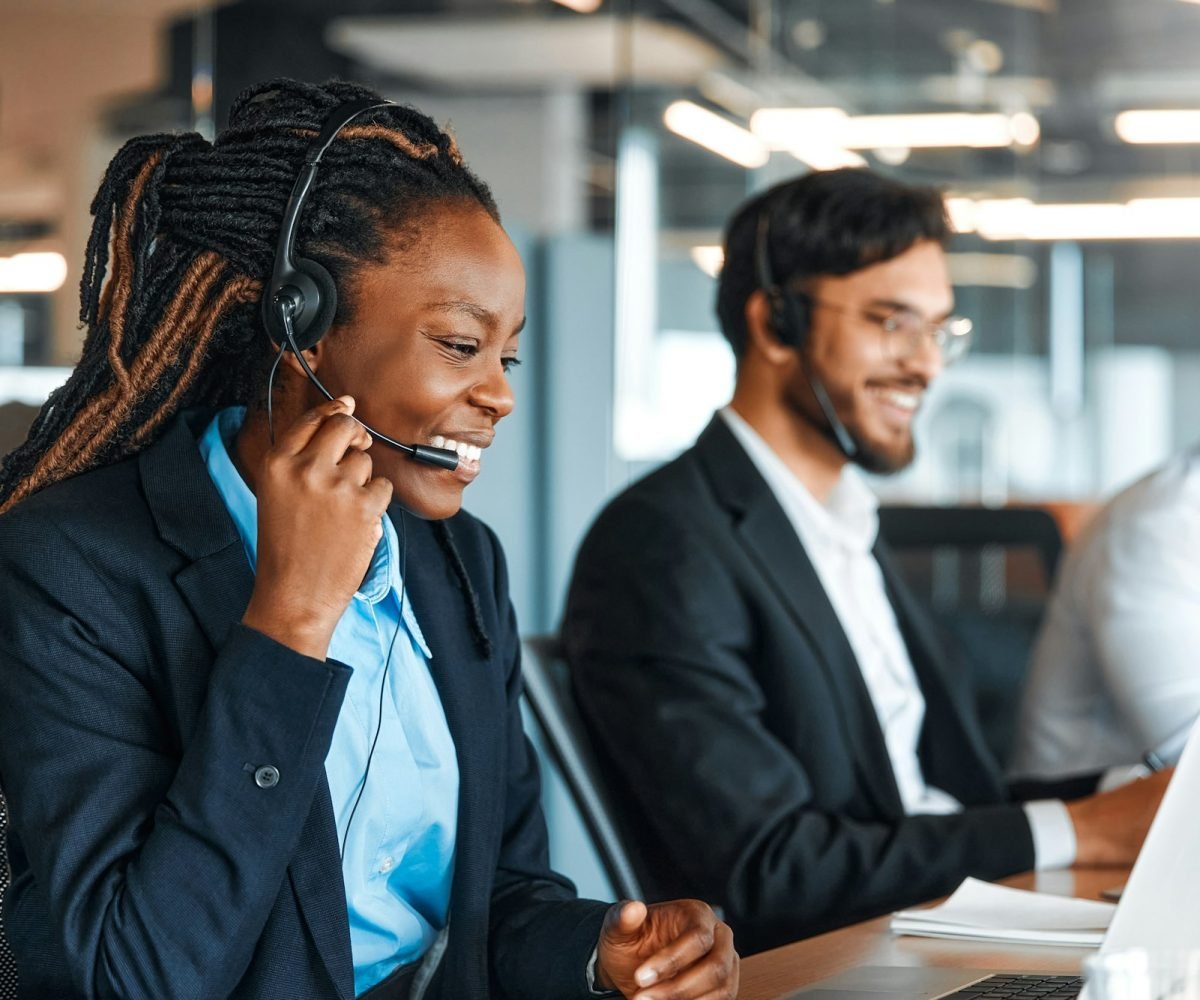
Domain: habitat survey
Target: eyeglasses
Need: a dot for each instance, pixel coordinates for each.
(905, 331)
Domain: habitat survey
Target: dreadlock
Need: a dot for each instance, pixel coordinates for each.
(445, 537)
(182, 244)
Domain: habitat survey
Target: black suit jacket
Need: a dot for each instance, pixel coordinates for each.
(723, 692)
(135, 711)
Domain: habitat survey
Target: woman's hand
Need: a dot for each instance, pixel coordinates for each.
(319, 520)
(667, 951)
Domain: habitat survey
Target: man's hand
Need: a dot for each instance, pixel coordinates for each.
(667, 951)
(1110, 827)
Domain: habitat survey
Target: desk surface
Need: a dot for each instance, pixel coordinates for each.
(773, 975)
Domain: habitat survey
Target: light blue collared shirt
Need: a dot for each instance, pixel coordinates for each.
(399, 858)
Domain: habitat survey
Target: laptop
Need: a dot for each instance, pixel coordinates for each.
(1159, 908)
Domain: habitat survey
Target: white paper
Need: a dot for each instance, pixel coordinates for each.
(983, 911)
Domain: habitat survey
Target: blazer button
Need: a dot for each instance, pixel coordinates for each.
(266, 776)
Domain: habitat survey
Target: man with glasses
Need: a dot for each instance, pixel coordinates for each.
(783, 733)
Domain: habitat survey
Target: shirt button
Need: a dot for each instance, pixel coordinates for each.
(266, 776)
(387, 864)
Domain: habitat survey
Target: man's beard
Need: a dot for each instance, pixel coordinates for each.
(866, 456)
(880, 463)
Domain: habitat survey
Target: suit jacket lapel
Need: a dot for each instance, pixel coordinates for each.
(772, 543)
(472, 698)
(191, 517)
(954, 755)
(217, 585)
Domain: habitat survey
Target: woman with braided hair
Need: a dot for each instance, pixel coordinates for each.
(259, 729)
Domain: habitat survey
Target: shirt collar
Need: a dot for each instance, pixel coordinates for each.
(849, 518)
(383, 574)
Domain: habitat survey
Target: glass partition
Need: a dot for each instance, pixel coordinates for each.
(1061, 131)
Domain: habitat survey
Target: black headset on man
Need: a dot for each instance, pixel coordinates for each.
(790, 320)
(300, 301)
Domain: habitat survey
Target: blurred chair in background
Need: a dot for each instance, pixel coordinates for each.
(549, 696)
(985, 575)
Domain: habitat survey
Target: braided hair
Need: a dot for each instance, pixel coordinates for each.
(182, 245)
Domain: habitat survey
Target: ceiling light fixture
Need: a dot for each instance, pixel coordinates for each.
(720, 135)
(1021, 219)
(581, 6)
(778, 127)
(813, 140)
(710, 258)
(32, 273)
(1158, 127)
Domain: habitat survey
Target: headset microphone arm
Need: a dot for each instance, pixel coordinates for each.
(841, 433)
(441, 458)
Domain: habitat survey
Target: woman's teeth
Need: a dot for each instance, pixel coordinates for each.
(904, 400)
(468, 452)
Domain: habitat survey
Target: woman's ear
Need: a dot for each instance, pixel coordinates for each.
(761, 336)
(312, 355)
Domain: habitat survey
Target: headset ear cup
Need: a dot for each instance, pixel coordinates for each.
(796, 312)
(312, 326)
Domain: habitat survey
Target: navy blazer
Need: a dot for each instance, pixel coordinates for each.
(150, 857)
(724, 695)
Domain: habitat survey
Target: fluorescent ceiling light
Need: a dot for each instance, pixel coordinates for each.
(1022, 219)
(32, 272)
(784, 128)
(581, 6)
(715, 133)
(1159, 127)
(814, 140)
(709, 258)
(952, 130)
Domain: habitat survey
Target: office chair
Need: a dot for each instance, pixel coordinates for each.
(985, 575)
(549, 696)
(8, 967)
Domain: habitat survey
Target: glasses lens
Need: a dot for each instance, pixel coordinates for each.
(954, 337)
(906, 334)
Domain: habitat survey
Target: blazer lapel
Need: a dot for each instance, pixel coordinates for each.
(771, 541)
(954, 754)
(472, 696)
(217, 584)
(190, 516)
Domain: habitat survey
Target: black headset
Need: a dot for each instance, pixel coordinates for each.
(791, 315)
(299, 303)
(789, 311)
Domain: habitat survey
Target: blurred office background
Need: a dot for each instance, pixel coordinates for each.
(617, 136)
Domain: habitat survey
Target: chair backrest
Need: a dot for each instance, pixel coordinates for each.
(8, 967)
(985, 575)
(974, 528)
(550, 697)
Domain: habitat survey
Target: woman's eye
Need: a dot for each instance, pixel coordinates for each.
(508, 364)
(465, 348)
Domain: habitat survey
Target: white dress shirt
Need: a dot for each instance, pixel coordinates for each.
(839, 536)
(1116, 670)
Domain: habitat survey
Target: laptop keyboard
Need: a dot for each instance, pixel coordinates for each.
(1022, 987)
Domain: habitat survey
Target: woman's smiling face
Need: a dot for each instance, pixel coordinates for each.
(433, 331)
